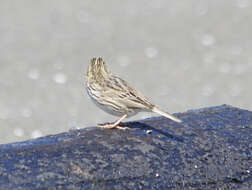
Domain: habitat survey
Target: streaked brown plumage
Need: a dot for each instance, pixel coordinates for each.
(114, 95)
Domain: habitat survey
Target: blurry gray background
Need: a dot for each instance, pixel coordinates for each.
(181, 54)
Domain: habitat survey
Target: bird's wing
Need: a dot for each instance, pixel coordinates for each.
(120, 91)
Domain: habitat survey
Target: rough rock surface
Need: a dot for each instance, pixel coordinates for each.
(211, 149)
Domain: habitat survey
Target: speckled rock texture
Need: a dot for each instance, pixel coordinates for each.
(211, 149)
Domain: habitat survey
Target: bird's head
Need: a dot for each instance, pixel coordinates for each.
(97, 69)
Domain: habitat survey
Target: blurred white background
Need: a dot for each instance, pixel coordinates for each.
(181, 54)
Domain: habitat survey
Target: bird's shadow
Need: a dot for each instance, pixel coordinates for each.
(146, 127)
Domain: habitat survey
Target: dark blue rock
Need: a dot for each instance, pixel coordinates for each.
(211, 149)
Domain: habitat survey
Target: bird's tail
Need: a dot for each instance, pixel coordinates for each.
(157, 110)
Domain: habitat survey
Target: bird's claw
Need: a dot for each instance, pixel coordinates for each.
(111, 126)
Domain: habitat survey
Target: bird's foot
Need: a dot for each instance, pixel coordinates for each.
(111, 126)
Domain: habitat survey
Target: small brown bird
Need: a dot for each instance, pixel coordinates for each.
(115, 96)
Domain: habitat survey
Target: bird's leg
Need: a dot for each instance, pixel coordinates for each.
(115, 124)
